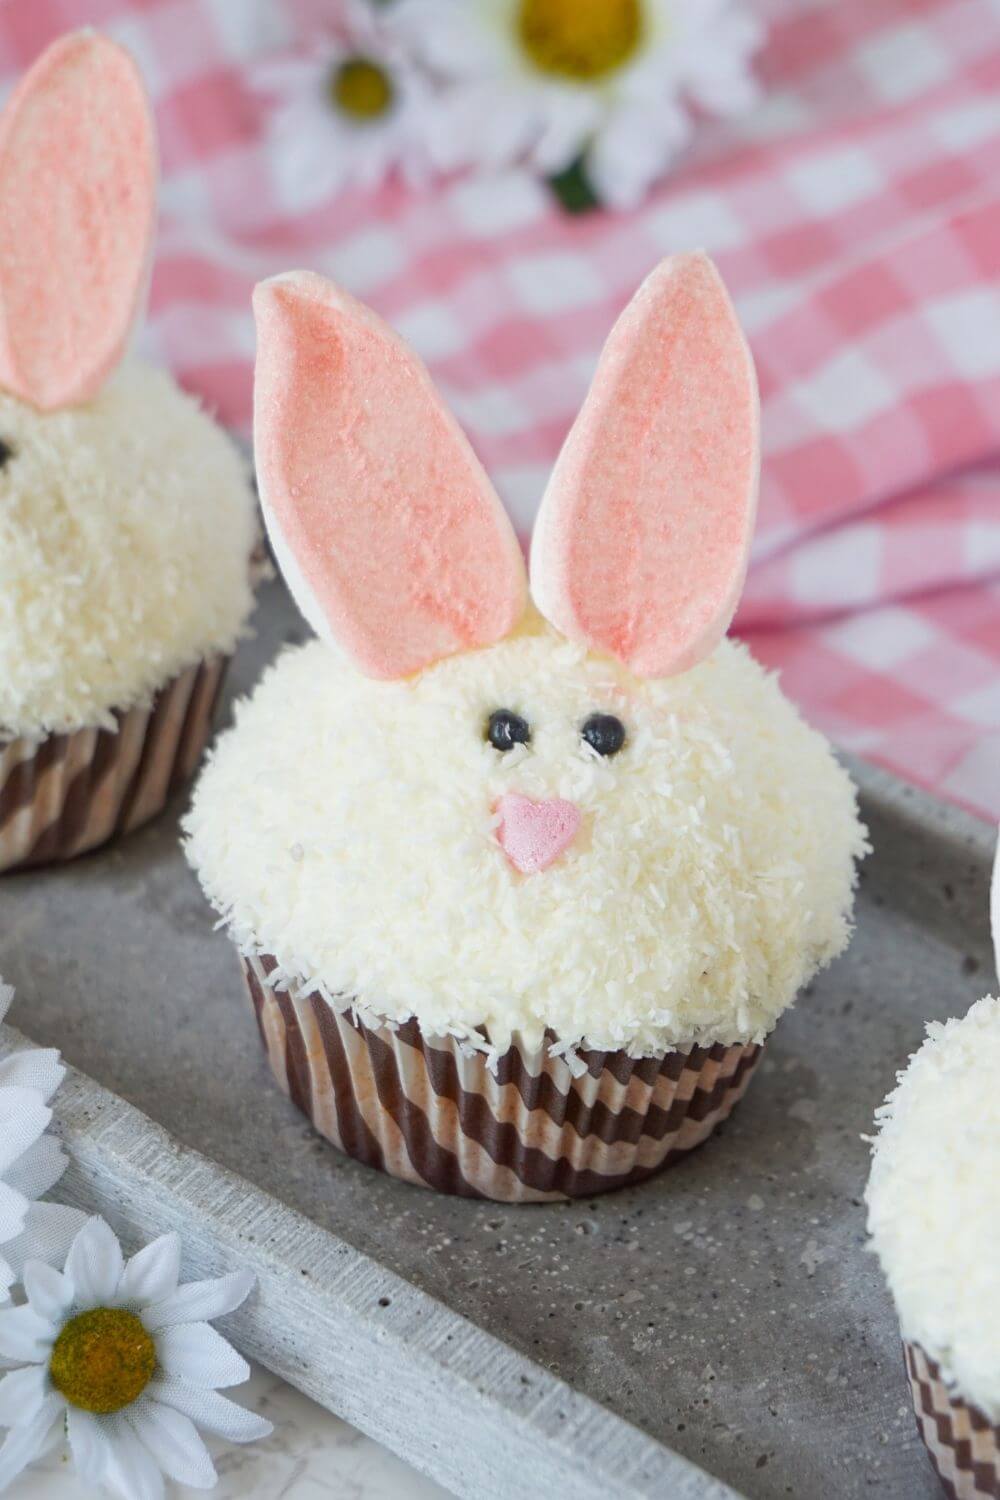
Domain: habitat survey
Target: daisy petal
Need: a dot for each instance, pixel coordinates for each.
(88, 1444)
(25, 1338)
(95, 1265)
(200, 1301)
(309, 163)
(569, 123)
(49, 1230)
(27, 1442)
(447, 43)
(38, 1169)
(195, 1352)
(173, 1441)
(130, 1469)
(22, 1395)
(152, 1273)
(215, 1413)
(6, 996)
(495, 123)
(38, 1068)
(633, 149)
(281, 75)
(13, 1211)
(23, 1117)
(49, 1293)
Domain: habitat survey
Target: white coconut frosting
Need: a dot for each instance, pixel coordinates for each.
(346, 827)
(126, 526)
(934, 1201)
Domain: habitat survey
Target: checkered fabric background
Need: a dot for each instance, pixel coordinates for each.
(855, 216)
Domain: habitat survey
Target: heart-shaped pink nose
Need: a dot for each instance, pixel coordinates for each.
(534, 834)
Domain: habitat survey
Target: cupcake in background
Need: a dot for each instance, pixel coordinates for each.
(519, 890)
(127, 521)
(934, 1219)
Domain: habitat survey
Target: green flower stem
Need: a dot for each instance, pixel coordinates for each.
(573, 189)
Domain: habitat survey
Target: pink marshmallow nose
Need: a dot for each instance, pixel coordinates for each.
(534, 834)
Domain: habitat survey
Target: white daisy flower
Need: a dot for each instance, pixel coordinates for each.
(349, 109)
(122, 1358)
(31, 1162)
(544, 81)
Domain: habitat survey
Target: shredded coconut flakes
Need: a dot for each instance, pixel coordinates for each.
(345, 826)
(934, 1201)
(126, 527)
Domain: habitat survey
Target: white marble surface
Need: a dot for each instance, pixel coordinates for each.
(310, 1456)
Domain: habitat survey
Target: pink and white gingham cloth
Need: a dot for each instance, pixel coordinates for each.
(856, 218)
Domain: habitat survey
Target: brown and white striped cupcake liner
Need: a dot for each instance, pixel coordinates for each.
(68, 793)
(428, 1112)
(963, 1444)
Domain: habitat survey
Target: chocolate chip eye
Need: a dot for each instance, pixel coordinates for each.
(6, 454)
(507, 729)
(604, 733)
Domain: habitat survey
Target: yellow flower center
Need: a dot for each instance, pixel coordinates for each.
(580, 39)
(102, 1360)
(361, 89)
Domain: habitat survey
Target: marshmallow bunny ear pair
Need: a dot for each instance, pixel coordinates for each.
(77, 210)
(394, 543)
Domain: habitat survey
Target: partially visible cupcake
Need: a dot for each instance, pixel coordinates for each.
(127, 521)
(934, 1218)
(519, 892)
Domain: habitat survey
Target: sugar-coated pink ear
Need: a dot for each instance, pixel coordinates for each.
(77, 210)
(388, 532)
(995, 907)
(640, 548)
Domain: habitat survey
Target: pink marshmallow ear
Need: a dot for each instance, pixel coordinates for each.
(388, 532)
(995, 907)
(641, 544)
(77, 210)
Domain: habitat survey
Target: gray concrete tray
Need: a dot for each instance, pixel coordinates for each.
(723, 1320)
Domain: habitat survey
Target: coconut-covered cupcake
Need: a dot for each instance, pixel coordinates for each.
(519, 890)
(934, 1218)
(126, 517)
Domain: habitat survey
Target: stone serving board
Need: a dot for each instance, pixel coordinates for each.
(718, 1330)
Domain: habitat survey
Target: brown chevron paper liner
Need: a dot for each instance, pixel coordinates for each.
(963, 1444)
(434, 1115)
(67, 793)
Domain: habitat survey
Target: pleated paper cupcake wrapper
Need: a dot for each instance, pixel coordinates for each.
(964, 1446)
(432, 1114)
(68, 793)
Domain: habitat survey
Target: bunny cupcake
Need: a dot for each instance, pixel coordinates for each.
(126, 517)
(519, 890)
(934, 1218)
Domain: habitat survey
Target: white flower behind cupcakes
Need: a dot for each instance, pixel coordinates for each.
(346, 110)
(616, 82)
